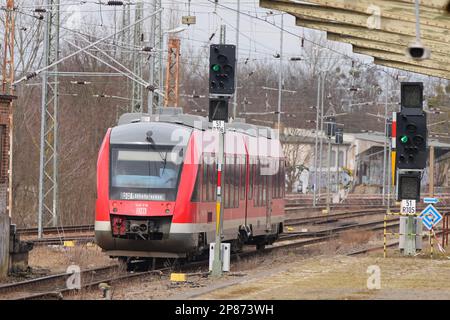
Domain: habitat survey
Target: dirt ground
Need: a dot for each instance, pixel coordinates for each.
(56, 259)
(343, 278)
(314, 272)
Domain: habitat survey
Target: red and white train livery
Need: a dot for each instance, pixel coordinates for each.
(156, 186)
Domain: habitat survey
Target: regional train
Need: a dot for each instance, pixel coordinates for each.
(156, 186)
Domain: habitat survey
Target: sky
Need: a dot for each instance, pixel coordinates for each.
(259, 38)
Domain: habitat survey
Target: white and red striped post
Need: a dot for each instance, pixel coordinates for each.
(217, 263)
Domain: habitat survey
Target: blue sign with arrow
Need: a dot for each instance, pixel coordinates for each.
(431, 200)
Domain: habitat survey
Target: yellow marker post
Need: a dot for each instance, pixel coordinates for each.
(394, 153)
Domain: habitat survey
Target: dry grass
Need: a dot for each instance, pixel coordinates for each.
(353, 237)
(58, 258)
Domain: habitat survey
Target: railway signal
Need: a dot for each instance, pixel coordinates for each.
(409, 139)
(222, 61)
(222, 69)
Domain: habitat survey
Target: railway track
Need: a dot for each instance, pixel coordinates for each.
(55, 230)
(84, 233)
(54, 286)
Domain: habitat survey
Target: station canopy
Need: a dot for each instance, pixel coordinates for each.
(380, 28)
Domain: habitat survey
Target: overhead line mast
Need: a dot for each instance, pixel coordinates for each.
(48, 168)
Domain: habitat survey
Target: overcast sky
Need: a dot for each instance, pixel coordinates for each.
(259, 39)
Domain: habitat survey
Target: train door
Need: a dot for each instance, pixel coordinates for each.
(268, 200)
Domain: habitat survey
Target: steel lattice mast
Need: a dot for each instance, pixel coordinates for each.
(137, 95)
(48, 170)
(156, 59)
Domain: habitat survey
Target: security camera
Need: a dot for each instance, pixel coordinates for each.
(418, 52)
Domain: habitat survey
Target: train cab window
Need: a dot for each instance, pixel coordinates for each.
(145, 173)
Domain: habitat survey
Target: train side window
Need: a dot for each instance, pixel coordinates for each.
(214, 179)
(261, 184)
(282, 178)
(279, 180)
(204, 180)
(232, 181)
(264, 190)
(258, 183)
(226, 176)
(196, 193)
(211, 180)
(283, 175)
(255, 183)
(250, 180)
(243, 169)
(237, 172)
(273, 181)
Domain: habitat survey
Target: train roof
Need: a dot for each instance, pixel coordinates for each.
(176, 116)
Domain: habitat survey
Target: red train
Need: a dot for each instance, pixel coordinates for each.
(156, 186)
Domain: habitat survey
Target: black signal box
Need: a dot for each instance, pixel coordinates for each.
(222, 69)
(411, 141)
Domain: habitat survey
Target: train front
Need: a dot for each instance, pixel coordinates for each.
(139, 170)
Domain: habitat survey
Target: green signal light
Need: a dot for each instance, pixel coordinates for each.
(216, 68)
(404, 139)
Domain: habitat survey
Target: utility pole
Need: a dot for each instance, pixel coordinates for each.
(173, 73)
(329, 176)
(126, 36)
(316, 140)
(48, 169)
(156, 65)
(280, 74)
(321, 134)
(238, 21)
(8, 89)
(385, 140)
(137, 94)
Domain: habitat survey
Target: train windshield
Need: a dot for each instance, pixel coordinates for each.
(147, 173)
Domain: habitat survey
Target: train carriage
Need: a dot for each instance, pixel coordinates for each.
(156, 186)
